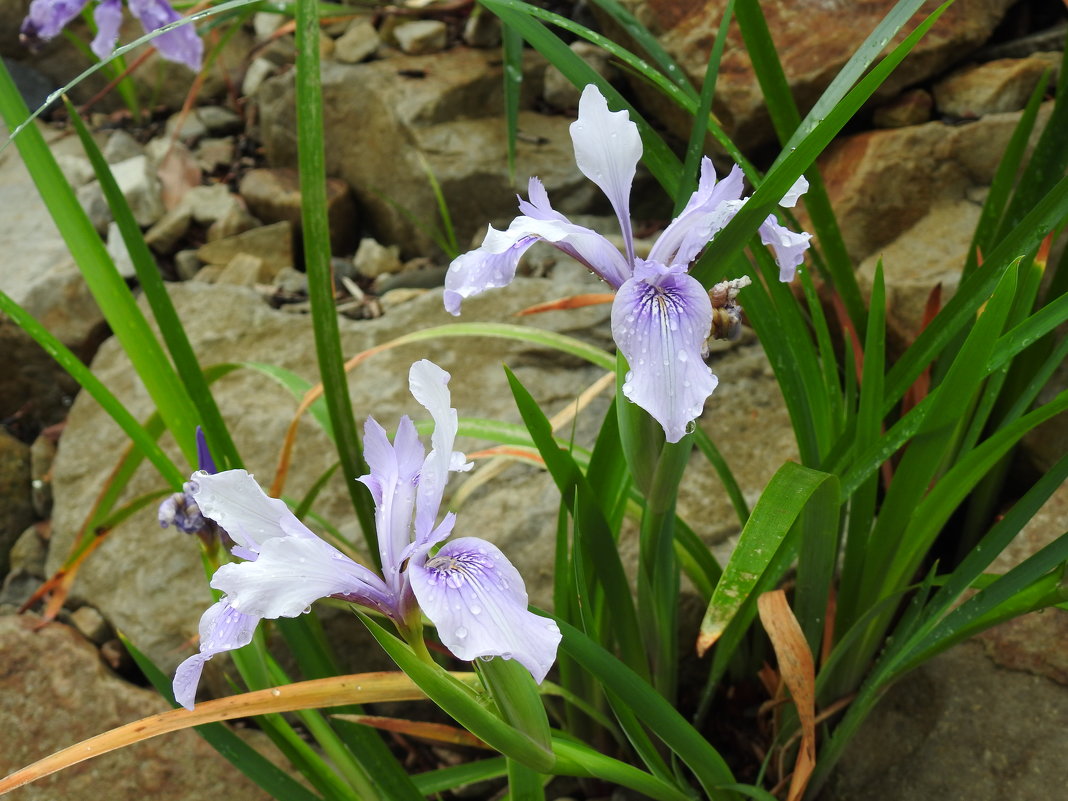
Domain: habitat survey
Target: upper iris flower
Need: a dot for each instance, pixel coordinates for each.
(46, 18)
(661, 316)
(468, 589)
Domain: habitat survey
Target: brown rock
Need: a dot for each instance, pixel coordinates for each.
(55, 692)
(997, 86)
(910, 108)
(16, 502)
(271, 243)
(245, 270)
(273, 195)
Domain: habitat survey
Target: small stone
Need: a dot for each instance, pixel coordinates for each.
(245, 269)
(186, 264)
(559, 92)
(359, 41)
(372, 259)
(236, 221)
(326, 46)
(29, 553)
(121, 146)
(292, 281)
(219, 120)
(91, 624)
(186, 127)
(271, 243)
(991, 88)
(208, 204)
(209, 273)
(265, 23)
(76, 169)
(910, 108)
(397, 297)
(258, 71)
(116, 247)
(482, 29)
(215, 153)
(165, 235)
(139, 185)
(91, 198)
(273, 195)
(16, 502)
(421, 36)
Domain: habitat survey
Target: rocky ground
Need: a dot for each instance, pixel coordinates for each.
(216, 194)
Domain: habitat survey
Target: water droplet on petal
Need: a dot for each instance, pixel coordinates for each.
(461, 633)
(682, 356)
(476, 609)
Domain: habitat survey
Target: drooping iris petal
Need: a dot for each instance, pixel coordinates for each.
(789, 246)
(182, 44)
(291, 573)
(478, 602)
(660, 321)
(708, 210)
(108, 18)
(392, 481)
(789, 200)
(46, 18)
(607, 150)
(236, 502)
(222, 628)
(429, 385)
(584, 245)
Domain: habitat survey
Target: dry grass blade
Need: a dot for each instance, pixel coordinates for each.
(358, 688)
(573, 302)
(799, 674)
(431, 732)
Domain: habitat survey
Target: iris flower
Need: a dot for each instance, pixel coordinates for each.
(46, 18)
(468, 589)
(661, 316)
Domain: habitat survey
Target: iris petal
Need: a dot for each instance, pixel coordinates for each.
(607, 150)
(660, 321)
(108, 18)
(181, 45)
(789, 247)
(707, 212)
(222, 628)
(478, 602)
(46, 18)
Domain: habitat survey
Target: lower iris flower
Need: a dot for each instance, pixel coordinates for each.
(661, 316)
(468, 589)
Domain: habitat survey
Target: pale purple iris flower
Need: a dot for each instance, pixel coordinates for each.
(661, 316)
(46, 18)
(468, 589)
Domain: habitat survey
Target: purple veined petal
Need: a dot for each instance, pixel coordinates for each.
(181, 45)
(222, 628)
(584, 245)
(46, 18)
(292, 573)
(708, 211)
(789, 200)
(660, 321)
(789, 247)
(429, 385)
(607, 150)
(236, 502)
(478, 602)
(394, 469)
(108, 18)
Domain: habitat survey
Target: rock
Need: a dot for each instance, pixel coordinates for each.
(91, 198)
(53, 668)
(116, 247)
(930, 253)
(245, 270)
(209, 204)
(959, 727)
(813, 40)
(273, 195)
(909, 108)
(35, 392)
(186, 264)
(76, 169)
(382, 121)
(258, 71)
(139, 185)
(219, 120)
(16, 503)
(42, 455)
(482, 29)
(559, 91)
(236, 221)
(881, 183)
(991, 88)
(165, 236)
(372, 259)
(29, 552)
(185, 126)
(215, 153)
(292, 281)
(396, 297)
(121, 146)
(271, 243)
(91, 624)
(209, 273)
(265, 23)
(360, 41)
(421, 36)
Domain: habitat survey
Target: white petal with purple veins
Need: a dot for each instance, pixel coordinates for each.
(607, 151)
(292, 573)
(660, 321)
(222, 628)
(708, 210)
(478, 602)
(789, 247)
(236, 502)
